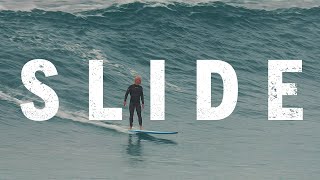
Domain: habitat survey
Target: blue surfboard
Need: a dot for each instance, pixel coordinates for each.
(151, 132)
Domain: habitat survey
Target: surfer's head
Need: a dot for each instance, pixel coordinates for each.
(137, 80)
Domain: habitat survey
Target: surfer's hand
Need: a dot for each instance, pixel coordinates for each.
(142, 106)
(124, 103)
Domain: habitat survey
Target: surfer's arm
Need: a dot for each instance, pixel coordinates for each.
(126, 96)
(142, 97)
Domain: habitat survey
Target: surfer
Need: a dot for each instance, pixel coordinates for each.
(136, 93)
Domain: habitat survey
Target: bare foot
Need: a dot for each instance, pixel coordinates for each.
(141, 128)
(130, 127)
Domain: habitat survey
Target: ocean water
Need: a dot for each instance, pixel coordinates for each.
(127, 35)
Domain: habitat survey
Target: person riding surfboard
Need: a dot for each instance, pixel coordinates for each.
(136, 93)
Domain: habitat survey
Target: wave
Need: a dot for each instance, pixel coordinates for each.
(128, 36)
(82, 5)
(137, 9)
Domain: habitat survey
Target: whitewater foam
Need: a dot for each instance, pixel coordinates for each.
(83, 5)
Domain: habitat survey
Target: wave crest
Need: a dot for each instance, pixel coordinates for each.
(73, 6)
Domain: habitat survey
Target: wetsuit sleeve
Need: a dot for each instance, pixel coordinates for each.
(142, 96)
(126, 96)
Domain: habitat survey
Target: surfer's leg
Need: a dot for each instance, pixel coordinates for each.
(138, 108)
(131, 109)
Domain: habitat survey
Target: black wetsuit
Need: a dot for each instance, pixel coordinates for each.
(136, 93)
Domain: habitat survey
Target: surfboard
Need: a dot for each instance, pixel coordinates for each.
(151, 132)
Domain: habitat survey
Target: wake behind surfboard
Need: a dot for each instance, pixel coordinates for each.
(151, 132)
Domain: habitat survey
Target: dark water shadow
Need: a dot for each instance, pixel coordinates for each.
(134, 148)
(135, 143)
(156, 140)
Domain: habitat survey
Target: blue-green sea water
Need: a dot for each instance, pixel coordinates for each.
(127, 35)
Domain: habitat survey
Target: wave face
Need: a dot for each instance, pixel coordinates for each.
(127, 36)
